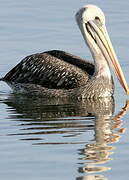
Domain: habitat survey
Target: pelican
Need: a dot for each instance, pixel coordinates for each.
(57, 73)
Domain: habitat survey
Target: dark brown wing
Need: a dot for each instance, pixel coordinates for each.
(52, 69)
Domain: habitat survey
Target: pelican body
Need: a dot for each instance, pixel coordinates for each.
(59, 74)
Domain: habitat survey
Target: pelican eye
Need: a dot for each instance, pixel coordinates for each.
(97, 18)
(98, 21)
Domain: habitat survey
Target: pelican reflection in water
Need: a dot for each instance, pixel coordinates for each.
(98, 152)
(66, 122)
(59, 74)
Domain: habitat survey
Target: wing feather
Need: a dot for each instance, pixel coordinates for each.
(52, 69)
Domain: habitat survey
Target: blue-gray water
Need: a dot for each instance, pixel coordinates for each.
(53, 139)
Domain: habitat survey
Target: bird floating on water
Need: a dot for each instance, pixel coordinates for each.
(60, 74)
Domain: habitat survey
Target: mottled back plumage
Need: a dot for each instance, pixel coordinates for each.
(52, 69)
